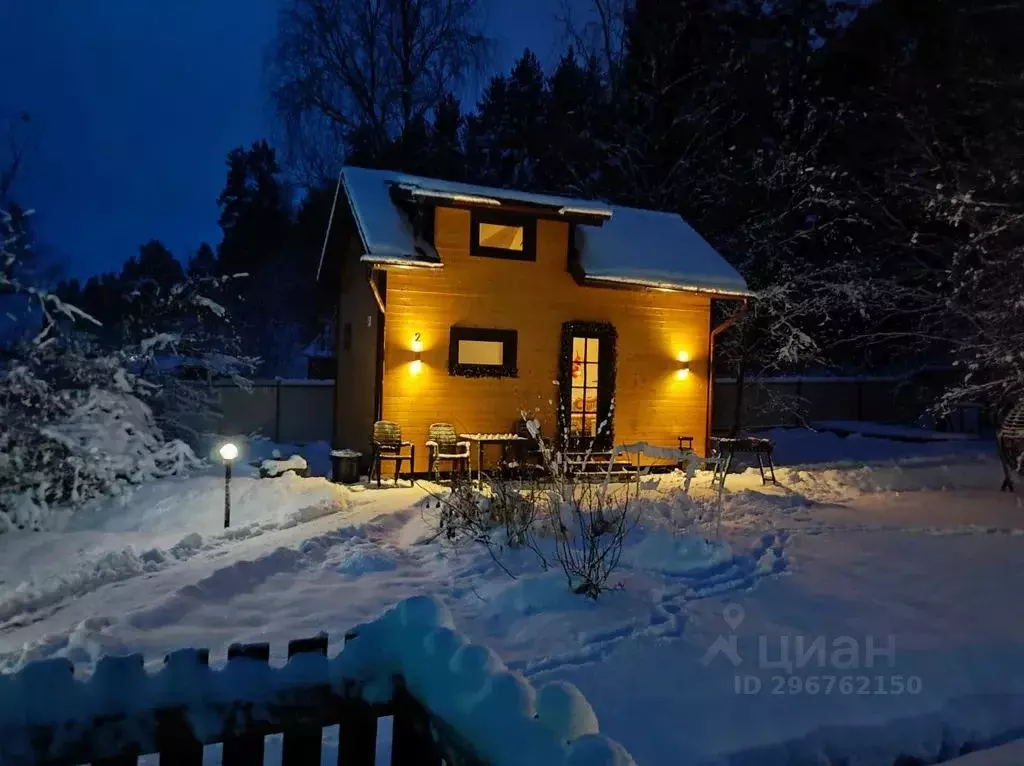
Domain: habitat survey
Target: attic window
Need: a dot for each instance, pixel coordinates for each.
(502, 235)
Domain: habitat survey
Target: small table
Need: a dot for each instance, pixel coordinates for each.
(481, 439)
(727, 448)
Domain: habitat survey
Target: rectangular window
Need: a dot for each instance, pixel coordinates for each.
(482, 353)
(502, 235)
(499, 235)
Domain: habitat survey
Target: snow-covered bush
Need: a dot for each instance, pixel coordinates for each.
(571, 513)
(74, 418)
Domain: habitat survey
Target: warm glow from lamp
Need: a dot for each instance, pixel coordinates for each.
(228, 451)
(684, 365)
(417, 348)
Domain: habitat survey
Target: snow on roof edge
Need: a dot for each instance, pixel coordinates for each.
(350, 201)
(402, 261)
(665, 285)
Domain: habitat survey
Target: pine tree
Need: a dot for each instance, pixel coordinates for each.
(506, 137)
(155, 266)
(203, 263)
(255, 212)
(577, 125)
(446, 155)
(256, 219)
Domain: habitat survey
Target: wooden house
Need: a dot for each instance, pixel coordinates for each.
(471, 305)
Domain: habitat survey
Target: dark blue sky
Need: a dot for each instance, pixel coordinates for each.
(135, 104)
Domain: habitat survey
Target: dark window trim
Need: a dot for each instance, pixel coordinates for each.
(528, 224)
(510, 351)
(607, 372)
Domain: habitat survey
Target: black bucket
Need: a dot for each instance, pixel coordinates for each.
(345, 466)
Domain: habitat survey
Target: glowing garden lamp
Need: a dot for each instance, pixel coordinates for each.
(228, 452)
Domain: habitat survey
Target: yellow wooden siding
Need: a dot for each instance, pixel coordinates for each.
(652, 402)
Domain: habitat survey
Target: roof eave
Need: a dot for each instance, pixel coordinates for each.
(409, 193)
(640, 283)
(401, 261)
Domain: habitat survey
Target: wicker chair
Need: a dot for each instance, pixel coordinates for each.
(1010, 440)
(443, 444)
(388, 445)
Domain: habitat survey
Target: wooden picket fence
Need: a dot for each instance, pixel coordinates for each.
(299, 712)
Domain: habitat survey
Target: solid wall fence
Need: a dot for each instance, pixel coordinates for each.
(302, 411)
(286, 411)
(798, 401)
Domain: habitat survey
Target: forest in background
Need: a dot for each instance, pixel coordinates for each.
(860, 164)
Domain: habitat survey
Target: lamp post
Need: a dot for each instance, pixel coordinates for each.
(228, 452)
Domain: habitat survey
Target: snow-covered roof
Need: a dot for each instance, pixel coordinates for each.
(648, 248)
(616, 244)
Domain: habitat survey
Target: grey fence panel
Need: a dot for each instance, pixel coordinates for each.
(723, 406)
(795, 401)
(306, 412)
(831, 401)
(245, 412)
(895, 402)
(288, 411)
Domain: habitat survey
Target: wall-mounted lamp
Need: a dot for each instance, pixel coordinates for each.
(684, 365)
(417, 349)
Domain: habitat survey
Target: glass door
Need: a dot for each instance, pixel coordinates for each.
(587, 385)
(583, 422)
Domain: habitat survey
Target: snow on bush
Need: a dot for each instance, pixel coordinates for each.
(73, 427)
(74, 423)
(572, 513)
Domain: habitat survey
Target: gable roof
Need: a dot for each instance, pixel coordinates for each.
(616, 245)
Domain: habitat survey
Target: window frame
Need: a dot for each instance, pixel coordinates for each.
(526, 222)
(510, 352)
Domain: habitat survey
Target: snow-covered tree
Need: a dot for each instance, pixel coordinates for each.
(180, 340)
(76, 418)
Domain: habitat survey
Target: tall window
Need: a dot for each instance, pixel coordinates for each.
(502, 235)
(585, 357)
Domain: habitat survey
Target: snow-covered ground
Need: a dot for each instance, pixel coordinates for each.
(903, 553)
